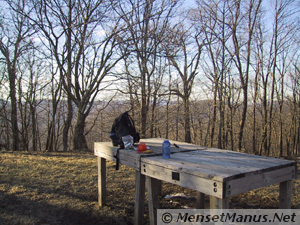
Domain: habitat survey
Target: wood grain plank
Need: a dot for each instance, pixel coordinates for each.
(152, 189)
(212, 163)
(108, 149)
(200, 168)
(200, 200)
(198, 183)
(157, 142)
(231, 166)
(124, 159)
(260, 179)
(178, 166)
(218, 203)
(224, 168)
(285, 194)
(236, 158)
(139, 198)
(194, 166)
(101, 181)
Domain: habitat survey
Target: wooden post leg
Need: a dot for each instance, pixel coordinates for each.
(159, 187)
(153, 190)
(139, 198)
(200, 200)
(218, 203)
(101, 181)
(285, 194)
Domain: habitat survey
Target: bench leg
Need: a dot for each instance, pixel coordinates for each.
(218, 203)
(139, 198)
(200, 200)
(153, 187)
(101, 181)
(285, 194)
(159, 187)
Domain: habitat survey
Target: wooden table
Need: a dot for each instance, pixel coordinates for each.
(214, 172)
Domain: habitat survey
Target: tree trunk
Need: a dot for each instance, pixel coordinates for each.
(67, 125)
(50, 135)
(33, 126)
(254, 150)
(153, 116)
(167, 116)
(144, 113)
(243, 119)
(214, 118)
(14, 114)
(187, 122)
(79, 141)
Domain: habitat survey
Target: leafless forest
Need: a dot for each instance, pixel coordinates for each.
(221, 73)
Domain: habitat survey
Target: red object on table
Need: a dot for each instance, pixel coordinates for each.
(142, 147)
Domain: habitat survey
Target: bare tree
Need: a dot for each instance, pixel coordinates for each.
(243, 19)
(146, 22)
(15, 34)
(83, 37)
(271, 66)
(29, 97)
(5, 130)
(53, 121)
(283, 36)
(184, 51)
(294, 130)
(212, 16)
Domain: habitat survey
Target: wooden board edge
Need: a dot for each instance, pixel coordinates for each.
(258, 180)
(203, 185)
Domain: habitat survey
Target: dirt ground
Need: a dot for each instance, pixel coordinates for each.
(61, 188)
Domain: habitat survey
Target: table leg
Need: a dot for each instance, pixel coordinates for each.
(218, 203)
(101, 181)
(200, 200)
(159, 187)
(153, 190)
(139, 198)
(285, 194)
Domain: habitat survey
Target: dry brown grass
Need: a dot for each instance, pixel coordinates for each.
(61, 188)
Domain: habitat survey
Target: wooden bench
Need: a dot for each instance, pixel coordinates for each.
(214, 172)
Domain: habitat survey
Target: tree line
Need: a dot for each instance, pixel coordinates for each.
(220, 73)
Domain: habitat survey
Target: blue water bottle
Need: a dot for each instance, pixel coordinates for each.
(166, 149)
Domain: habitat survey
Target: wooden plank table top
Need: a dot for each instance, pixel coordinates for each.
(132, 158)
(219, 173)
(215, 172)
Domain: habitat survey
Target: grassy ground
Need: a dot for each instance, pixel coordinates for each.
(61, 188)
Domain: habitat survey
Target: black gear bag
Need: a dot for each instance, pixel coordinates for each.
(123, 125)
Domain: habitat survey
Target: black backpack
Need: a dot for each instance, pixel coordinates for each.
(123, 125)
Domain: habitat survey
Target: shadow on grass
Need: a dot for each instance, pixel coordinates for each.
(60, 154)
(61, 189)
(19, 210)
